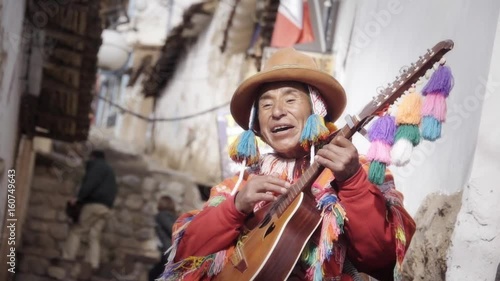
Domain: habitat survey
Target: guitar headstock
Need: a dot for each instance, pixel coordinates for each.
(410, 76)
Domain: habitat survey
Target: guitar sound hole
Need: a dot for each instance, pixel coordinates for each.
(269, 229)
(265, 221)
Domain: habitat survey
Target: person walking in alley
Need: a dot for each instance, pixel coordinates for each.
(164, 219)
(96, 195)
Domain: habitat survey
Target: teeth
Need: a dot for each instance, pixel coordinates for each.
(276, 129)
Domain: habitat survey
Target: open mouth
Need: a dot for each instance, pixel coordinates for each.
(281, 128)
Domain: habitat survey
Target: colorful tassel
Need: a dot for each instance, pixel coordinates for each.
(408, 111)
(314, 130)
(440, 82)
(245, 148)
(408, 118)
(431, 128)
(376, 173)
(334, 217)
(408, 132)
(401, 152)
(381, 136)
(435, 105)
(434, 110)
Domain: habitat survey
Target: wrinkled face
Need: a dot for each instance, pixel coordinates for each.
(283, 109)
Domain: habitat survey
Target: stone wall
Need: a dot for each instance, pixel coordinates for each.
(128, 241)
(428, 252)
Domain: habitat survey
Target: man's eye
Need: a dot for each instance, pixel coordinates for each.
(266, 105)
(290, 100)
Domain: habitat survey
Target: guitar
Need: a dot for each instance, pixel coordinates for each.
(277, 234)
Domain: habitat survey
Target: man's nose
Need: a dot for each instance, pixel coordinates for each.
(279, 110)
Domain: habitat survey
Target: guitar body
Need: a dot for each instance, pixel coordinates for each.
(273, 247)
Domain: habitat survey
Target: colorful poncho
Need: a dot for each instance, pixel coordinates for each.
(316, 254)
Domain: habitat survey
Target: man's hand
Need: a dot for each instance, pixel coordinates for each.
(341, 157)
(256, 190)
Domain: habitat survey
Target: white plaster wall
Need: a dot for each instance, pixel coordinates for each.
(205, 79)
(130, 129)
(12, 14)
(475, 251)
(153, 19)
(389, 34)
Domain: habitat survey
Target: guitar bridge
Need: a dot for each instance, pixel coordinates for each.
(238, 259)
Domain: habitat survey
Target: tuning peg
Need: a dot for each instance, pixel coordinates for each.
(403, 69)
(420, 81)
(428, 73)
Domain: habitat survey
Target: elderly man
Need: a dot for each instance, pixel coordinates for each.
(364, 227)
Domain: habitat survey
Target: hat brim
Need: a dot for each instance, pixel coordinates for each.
(330, 89)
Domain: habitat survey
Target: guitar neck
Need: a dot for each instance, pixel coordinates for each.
(374, 108)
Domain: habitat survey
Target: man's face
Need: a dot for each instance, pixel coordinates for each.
(283, 109)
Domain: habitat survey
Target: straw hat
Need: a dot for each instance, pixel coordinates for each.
(288, 65)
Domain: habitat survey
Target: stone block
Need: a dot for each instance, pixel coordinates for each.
(192, 199)
(148, 197)
(126, 242)
(57, 201)
(37, 197)
(124, 230)
(145, 221)
(42, 212)
(173, 188)
(32, 246)
(58, 273)
(62, 217)
(149, 209)
(37, 225)
(45, 241)
(44, 183)
(109, 240)
(134, 202)
(68, 188)
(58, 230)
(149, 185)
(124, 216)
(74, 271)
(131, 181)
(34, 264)
(30, 277)
(144, 234)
